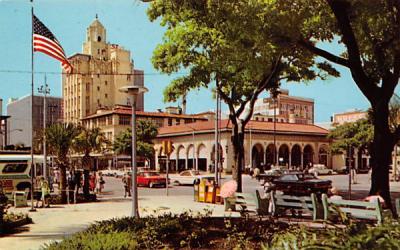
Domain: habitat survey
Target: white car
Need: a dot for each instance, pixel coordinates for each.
(189, 177)
(320, 169)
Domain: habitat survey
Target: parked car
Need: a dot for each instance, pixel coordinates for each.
(270, 175)
(298, 183)
(342, 170)
(151, 179)
(320, 169)
(189, 177)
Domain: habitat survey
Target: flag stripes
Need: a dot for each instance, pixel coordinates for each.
(44, 41)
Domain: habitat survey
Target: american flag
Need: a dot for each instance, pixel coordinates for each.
(44, 41)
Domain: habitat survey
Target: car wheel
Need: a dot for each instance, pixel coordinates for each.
(330, 172)
(176, 183)
(151, 185)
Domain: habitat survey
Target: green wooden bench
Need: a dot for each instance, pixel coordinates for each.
(397, 204)
(247, 203)
(281, 203)
(354, 209)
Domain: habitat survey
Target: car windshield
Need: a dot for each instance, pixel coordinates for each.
(195, 172)
(149, 174)
(289, 177)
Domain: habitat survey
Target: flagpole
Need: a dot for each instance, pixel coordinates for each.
(32, 89)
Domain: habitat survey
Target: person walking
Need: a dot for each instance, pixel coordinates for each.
(127, 180)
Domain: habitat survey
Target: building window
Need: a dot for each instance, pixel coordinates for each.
(124, 120)
(178, 121)
(169, 121)
(105, 83)
(98, 88)
(105, 95)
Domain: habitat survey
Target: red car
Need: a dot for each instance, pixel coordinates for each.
(151, 179)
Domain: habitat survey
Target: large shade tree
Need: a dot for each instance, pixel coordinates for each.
(228, 42)
(86, 142)
(59, 141)
(368, 32)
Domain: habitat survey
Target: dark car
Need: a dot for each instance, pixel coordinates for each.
(298, 183)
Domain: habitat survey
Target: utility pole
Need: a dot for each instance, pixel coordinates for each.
(44, 89)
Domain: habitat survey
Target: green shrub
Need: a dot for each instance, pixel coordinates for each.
(98, 241)
(354, 236)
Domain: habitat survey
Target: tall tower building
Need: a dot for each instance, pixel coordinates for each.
(98, 72)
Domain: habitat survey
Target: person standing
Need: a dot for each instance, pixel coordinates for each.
(353, 175)
(127, 180)
(45, 190)
(99, 183)
(92, 182)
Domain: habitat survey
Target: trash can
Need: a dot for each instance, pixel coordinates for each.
(210, 194)
(20, 199)
(202, 191)
(218, 199)
(196, 190)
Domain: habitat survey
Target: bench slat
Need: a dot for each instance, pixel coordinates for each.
(351, 203)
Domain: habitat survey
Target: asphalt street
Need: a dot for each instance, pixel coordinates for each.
(114, 187)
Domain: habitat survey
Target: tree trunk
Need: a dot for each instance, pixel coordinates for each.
(381, 153)
(63, 183)
(238, 151)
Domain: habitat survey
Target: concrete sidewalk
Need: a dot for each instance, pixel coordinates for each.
(63, 220)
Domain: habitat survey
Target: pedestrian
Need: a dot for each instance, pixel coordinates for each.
(334, 194)
(353, 175)
(45, 191)
(99, 183)
(127, 180)
(256, 172)
(92, 182)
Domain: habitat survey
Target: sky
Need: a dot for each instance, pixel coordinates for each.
(127, 24)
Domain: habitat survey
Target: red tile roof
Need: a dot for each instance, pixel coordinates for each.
(121, 110)
(254, 125)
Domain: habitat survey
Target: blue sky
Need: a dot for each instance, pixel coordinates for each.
(127, 25)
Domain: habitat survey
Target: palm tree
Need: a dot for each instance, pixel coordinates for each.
(59, 141)
(86, 142)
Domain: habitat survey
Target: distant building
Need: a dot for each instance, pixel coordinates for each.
(348, 116)
(19, 110)
(113, 122)
(289, 109)
(100, 71)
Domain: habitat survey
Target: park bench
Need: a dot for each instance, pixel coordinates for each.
(355, 209)
(281, 203)
(397, 204)
(247, 203)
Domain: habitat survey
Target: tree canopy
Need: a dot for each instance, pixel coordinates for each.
(357, 134)
(231, 43)
(146, 131)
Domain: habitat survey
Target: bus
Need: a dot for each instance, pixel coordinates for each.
(15, 171)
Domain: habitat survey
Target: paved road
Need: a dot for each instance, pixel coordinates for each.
(114, 187)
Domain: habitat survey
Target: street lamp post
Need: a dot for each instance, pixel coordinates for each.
(274, 93)
(134, 91)
(44, 89)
